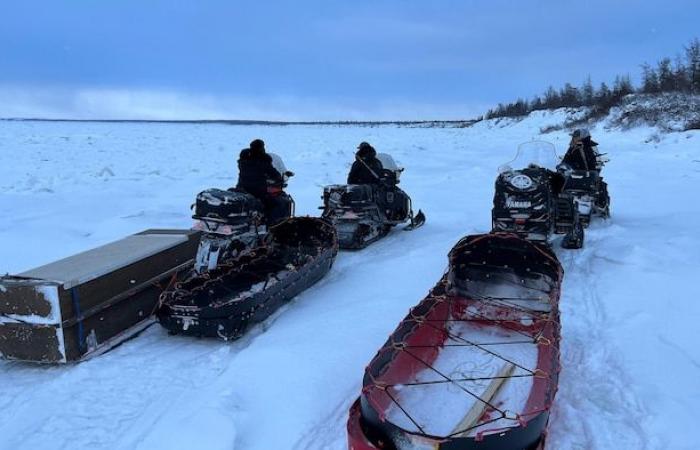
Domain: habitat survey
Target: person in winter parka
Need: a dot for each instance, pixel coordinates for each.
(582, 153)
(367, 168)
(258, 176)
(256, 172)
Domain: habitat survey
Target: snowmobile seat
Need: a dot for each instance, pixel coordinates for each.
(358, 194)
(229, 206)
(581, 181)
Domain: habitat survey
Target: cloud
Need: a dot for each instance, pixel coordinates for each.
(147, 104)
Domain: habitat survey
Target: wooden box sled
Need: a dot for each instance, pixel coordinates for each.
(85, 304)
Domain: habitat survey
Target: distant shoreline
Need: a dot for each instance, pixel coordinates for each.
(255, 122)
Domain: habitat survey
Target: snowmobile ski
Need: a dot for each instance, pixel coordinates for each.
(475, 364)
(417, 221)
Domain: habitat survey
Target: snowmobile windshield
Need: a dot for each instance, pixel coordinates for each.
(387, 162)
(533, 153)
(278, 164)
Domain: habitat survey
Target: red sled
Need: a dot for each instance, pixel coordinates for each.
(475, 364)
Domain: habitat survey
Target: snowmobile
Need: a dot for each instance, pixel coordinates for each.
(475, 364)
(233, 221)
(530, 200)
(247, 266)
(589, 191)
(364, 213)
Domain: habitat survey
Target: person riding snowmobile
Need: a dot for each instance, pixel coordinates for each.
(367, 168)
(258, 176)
(582, 153)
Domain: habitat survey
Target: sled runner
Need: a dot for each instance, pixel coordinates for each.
(365, 213)
(475, 364)
(82, 305)
(247, 289)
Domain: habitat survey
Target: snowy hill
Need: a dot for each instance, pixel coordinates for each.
(630, 358)
(668, 112)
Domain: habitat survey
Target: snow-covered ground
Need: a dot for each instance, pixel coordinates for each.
(630, 309)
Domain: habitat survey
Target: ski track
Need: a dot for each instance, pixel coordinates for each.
(95, 424)
(329, 431)
(289, 382)
(593, 380)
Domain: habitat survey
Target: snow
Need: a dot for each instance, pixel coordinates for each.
(631, 362)
(442, 418)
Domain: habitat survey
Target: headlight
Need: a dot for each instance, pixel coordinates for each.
(521, 181)
(336, 197)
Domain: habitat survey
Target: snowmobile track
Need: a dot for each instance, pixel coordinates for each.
(592, 375)
(197, 363)
(329, 432)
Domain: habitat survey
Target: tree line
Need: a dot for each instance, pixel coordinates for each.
(680, 75)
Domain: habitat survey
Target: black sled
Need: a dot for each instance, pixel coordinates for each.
(246, 290)
(253, 257)
(365, 213)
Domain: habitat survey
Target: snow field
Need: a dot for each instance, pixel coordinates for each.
(630, 358)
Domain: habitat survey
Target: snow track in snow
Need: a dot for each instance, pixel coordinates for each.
(593, 381)
(629, 304)
(84, 416)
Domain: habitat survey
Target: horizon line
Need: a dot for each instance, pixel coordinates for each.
(248, 121)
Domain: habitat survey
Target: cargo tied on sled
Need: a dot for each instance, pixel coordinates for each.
(475, 364)
(248, 288)
(82, 305)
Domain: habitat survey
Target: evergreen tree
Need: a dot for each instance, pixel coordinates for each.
(650, 81)
(683, 75)
(603, 95)
(570, 96)
(680, 77)
(551, 98)
(666, 80)
(587, 92)
(692, 55)
(623, 86)
(626, 87)
(536, 104)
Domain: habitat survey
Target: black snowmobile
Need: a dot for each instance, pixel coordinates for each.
(233, 221)
(364, 213)
(246, 266)
(589, 191)
(530, 199)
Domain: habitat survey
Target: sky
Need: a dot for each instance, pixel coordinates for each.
(320, 59)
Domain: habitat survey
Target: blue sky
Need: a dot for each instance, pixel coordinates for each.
(308, 60)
